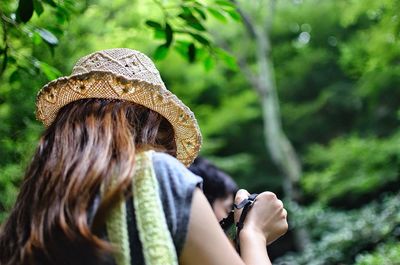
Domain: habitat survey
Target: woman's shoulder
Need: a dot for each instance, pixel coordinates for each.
(165, 164)
(164, 159)
(177, 185)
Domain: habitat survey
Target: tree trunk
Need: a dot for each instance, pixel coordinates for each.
(277, 143)
(263, 81)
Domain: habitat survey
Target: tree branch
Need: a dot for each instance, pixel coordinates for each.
(248, 23)
(5, 41)
(270, 19)
(243, 65)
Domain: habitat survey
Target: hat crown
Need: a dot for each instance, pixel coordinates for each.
(130, 64)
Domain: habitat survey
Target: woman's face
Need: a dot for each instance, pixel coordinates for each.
(222, 207)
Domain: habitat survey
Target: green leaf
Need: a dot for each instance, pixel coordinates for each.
(234, 14)
(200, 39)
(14, 76)
(200, 12)
(192, 52)
(186, 10)
(181, 47)
(192, 21)
(36, 39)
(47, 36)
(225, 3)
(161, 52)
(217, 14)
(38, 7)
(25, 10)
(209, 63)
(49, 71)
(159, 34)
(228, 59)
(196, 25)
(62, 14)
(168, 35)
(50, 2)
(153, 24)
(11, 60)
(189, 17)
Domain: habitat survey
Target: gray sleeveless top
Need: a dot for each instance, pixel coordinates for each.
(176, 184)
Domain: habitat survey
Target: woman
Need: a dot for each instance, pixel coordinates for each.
(104, 187)
(218, 187)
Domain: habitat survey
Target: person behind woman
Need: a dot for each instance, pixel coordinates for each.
(107, 183)
(218, 187)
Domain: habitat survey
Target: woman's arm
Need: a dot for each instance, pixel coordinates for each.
(207, 244)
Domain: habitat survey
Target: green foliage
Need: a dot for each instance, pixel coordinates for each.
(387, 253)
(184, 27)
(338, 236)
(378, 25)
(351, 168)
(337, 72)
(182, 22)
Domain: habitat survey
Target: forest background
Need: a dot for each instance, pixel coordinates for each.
(298, 97)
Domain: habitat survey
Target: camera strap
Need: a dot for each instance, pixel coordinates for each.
(246, 204)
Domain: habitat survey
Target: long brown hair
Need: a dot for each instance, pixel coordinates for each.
(91, 144)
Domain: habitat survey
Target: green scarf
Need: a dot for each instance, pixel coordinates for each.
(158, 247)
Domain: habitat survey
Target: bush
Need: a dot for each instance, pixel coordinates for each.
(351, 168)
(388, 254)
(339, 236)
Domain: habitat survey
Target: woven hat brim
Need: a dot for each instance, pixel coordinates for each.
(98, 84)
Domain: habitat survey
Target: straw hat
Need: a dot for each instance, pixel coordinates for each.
(127, 75)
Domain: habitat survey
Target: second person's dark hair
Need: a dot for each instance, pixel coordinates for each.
(216, 183)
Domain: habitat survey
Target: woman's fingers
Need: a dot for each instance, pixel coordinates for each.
(241, 195)
(268, 215)
(284, 213)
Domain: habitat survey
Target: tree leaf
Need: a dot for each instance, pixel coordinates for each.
(11, 60)
(200, 12)
(25, 10)
(217, 14)
(14, 76)
(49, 71)
(47, 36)
(161, 52)
(181, 47)
(36, 39)
(168, 35)
(225, 3)
(153, 24)
(192, 52)
(189, 17)
(209, 63)
(159, 34)
(229, 60)
(50, 2)
(200, 39)
(191, 20)
(62, 14)
(186, 10)
(38, 7)
(196, 25)
(234, 14)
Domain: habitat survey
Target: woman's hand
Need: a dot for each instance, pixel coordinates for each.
(266, 218)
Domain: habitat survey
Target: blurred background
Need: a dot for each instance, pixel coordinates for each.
(299, 97)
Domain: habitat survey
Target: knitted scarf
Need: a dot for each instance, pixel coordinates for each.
(158, 247)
